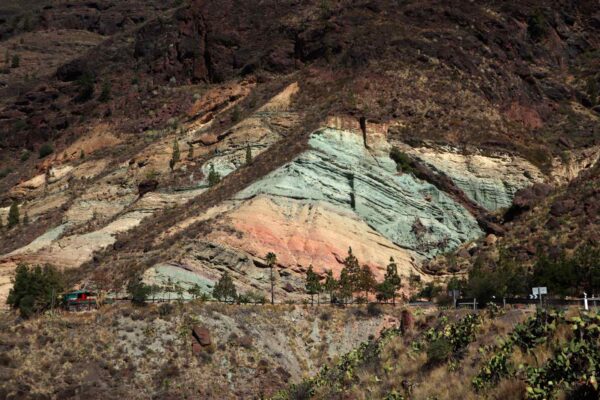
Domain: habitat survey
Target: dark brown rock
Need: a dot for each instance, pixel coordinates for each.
(196, 348)
(202, 335)
(407, 321)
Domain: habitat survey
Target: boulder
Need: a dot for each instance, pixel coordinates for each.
(407, 321)
(491, 239)
(196, 348)
(202, 335)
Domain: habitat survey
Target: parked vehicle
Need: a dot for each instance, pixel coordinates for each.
(80, 300)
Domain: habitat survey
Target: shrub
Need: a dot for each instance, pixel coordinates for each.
(4, 172)
(252, 297)
(301, 391)
(105, 94)
(16, 61)
(403, 161)
(430, 290)
(236, 115)
(213, 177)
(374, 310)
(13, 215)
(25, 155)
(438, 351)
(46, 150)
(165, 309)
(35, 289)
(325, 316)
(85, 86)
(537, 26)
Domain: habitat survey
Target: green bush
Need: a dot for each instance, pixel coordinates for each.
(165, 309)
(25, 155)
(46, 150)
(374, 310)
(35, 289)
(439, 351)
(403, 161)
(105, 94)
(236, 115)
(537, 26)
(16, 61)
(13, 215)
(4, 172)
(85, 86)
(213, 177)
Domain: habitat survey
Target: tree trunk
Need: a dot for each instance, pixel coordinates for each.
(272, 287)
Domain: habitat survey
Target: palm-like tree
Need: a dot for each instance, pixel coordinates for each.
(271, 259)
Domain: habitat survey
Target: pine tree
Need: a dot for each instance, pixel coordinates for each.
(313, 284)
(213, 177)
(385, 291)
(248, 155)
(271, 259)
(345, 286)
(195, 291)
(224, 290)
(353, 271)
(13, 215)
(26, 219)
(139, 291)
(330, 284)
(176, 154)
(393, 279)
(35, 289)
(367, 280)
(190, 155)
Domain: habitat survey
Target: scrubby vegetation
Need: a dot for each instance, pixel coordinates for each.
(547, 356)
(402, 160)
(45, 150)
(213, 176)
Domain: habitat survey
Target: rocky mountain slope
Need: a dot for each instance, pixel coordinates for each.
(120, 352)
(400, 129)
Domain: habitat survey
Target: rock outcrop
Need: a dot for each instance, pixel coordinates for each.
(341, 171)
(489, 180)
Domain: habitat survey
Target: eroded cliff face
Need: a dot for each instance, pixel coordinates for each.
(339, 170)
(343, 191)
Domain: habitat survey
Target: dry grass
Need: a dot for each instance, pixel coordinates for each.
(509, 389)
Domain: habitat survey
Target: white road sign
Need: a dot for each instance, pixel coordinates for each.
(539, 290)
